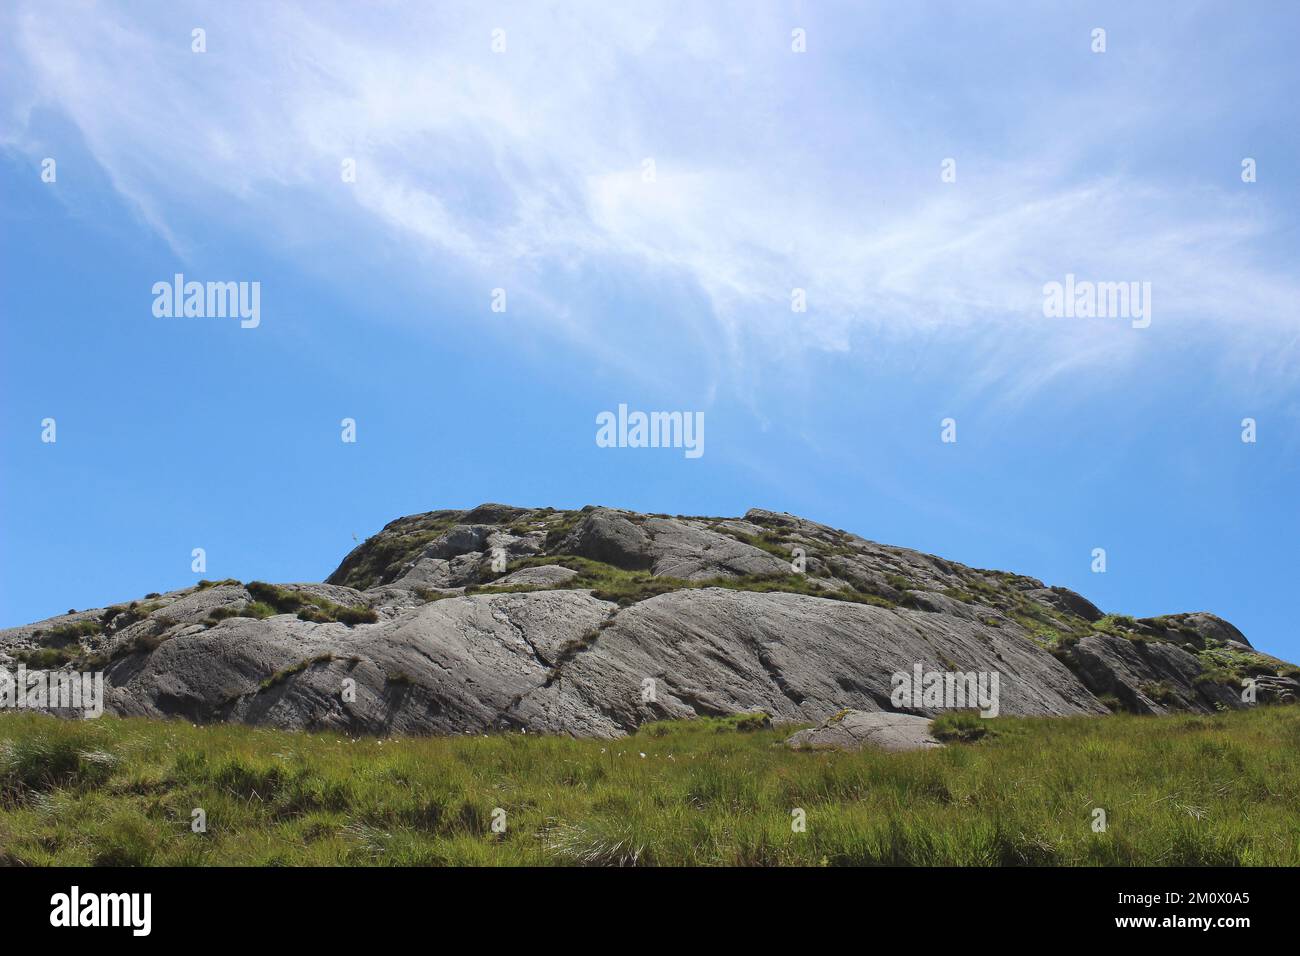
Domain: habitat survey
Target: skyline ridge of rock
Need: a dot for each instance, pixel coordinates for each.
(594, 621)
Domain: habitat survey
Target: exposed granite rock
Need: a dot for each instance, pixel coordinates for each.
(1063, 599)
(1209, 627)
(855, 729)
(1277, 690)
(1148, 677)
(609, 536)
(546, 575)
(627, 618)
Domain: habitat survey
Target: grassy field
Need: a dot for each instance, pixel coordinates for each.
(1176, 790)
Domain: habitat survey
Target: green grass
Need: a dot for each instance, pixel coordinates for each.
(268, 600)
(624, 587)
(46, 658)
(1160, 691)
(1116, 625)
(960, 727)
(66, 634)
(279, 677)
(1176, 790)
(772, 542)
(1229, 666)
(121, 616)
(258, 610)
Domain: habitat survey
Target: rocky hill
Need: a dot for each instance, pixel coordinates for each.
(591, 622)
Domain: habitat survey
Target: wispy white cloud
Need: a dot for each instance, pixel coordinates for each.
(510, 164)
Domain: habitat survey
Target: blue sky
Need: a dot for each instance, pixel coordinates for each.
(774, 170)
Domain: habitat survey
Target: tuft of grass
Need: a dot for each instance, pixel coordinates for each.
(46, 658)
(743, 723)
(309, 607)
(960, 727)
(38, 763)
(1117, 625)
(1112, 703)
(269, 600)
(279, 677)
(66, 634)
(1160, 691)
(746, 723)
(258, 610)
(123, 616)
(148, 643)
(770, 541)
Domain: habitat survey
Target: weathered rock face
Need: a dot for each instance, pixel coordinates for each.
(1146, 677)
(855, 729)
(593, 622)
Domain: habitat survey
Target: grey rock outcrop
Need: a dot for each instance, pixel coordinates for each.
(1063, 599)
(1146, 677)
(608, 536)
(855, 729)
(546, 575)
(603, 619)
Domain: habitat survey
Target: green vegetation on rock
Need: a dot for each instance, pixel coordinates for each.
(269, 599)
(380, 559)
(625, 588)
(66, 634)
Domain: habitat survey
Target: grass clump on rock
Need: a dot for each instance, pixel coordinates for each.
(66, 634)
(46, 658)
(279, 677)
(380, 560)
(269, 600)
(960, 727)
(627, 587)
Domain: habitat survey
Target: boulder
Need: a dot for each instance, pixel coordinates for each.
(609, 536)
(856, 729)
